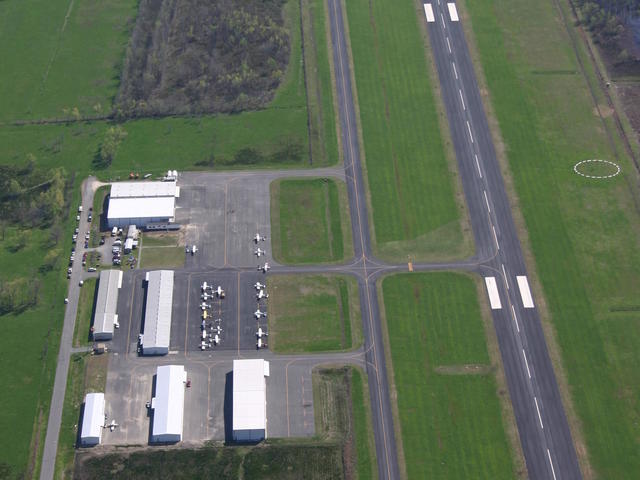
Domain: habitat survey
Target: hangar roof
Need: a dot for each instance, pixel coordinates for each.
(93, 417)
(143, 189)
(141, 207)
(250, 394)
(107, 301)
(168, 404)
(157, 319)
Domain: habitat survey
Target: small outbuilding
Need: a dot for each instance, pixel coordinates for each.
(157, 318)
(250, 400)
(168, 404)
(105, 316)
(92, 419)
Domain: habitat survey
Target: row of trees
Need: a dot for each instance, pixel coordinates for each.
(18, 295)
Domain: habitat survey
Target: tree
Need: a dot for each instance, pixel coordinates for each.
(113, 137)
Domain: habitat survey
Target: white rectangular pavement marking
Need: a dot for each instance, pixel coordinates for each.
(526, 363)
(455, 72)
(538, 409)
(469, 128)
(494, 296)
(453, 12)
(478, 165)
(525, 293)
(428, 11)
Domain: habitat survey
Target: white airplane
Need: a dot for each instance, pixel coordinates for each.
(217, 329)
(219, 291)
(194, 249)
(112, 426)
(216, 339)
(258, 314)
(258, 252)
(264, 268)
(259, 238)
(205, 286)
(204, 334)
(205, 306)
(203, 345)
(259, 286)
(260, 344)
(262, 294)
(206, 296)
(261, 333)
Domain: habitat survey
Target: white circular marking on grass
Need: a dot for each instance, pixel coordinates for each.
(576, 168)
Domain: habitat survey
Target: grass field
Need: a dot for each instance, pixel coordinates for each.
(313, 313)
(87, 374)
(161, 257)
(154, 239)
(88, 294)
(367, 467)
(583, 232)
(450, 418)
(310, 221)
(411, 181)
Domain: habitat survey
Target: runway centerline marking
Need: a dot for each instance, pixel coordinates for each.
(455, 72)
(453, 12)
(492, 290)
(448, 45)
(515, 318)
(495, 236)
(535, 399)
(526, 363)
(487, 201)
(428, 11)
(551, 463)
(469, 128)
(443, 24)
(525, 292)
(478, 165)
(504, 272)
(462, 100)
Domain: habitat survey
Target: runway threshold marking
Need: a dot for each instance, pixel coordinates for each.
(525, 292)
(428, 11)
(492, 290)
(453, 12)
(535, 399)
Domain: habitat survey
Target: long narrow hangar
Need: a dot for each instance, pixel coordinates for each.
(250, 400)
(168, 404)
(105, 317)
(157, 318)
(141, 203)
(92, 419)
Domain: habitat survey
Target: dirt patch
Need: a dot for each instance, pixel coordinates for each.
(603, 110)
(469, 369)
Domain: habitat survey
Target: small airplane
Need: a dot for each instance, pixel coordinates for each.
(259, 238)
(203, 345)
(258, 252)
(203, 326)
(216, 339)
(112, 426)
(259, 286)
(194, 249)
(261, 333)
(205, 306)
(205, 286)
(260, 344)
(258, 314)
(217, 329)
(205, 315)
(264, 268)
(262, 294)
(219, 291)
(204, 334)
(206, 296)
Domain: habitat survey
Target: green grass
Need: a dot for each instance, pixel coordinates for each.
(86, 374)
(52, 62)
(313, 313)
(584, 233)
(310, 221)
(366, 465)
(98, 210)
(154, 239)
(161, 257)
(88, 294)
(411, 186)
(451, 421)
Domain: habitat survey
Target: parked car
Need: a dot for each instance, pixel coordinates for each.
(102, 240)
(91, 269)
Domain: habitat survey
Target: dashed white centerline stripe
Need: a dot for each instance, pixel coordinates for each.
(448, 45)
(443, 24)
(469, 128)
(487, 201)
(478, 166)
(551, 463)
(515, 318)
(455, 72)
(495, 237)
(462, 100)
(504, 272)
(538, 410)
(526, 363)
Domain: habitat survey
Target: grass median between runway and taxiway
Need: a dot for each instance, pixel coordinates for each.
(313, 313)
(310, 221)
(447, 396)
(583, 232)
(86, 302)
(416, 205)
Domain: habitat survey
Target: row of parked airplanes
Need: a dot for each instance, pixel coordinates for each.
(259, 252)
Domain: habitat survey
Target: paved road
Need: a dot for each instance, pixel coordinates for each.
(544, 431)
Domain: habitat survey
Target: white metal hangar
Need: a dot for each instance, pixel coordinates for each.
(92, 419)
(140, 203)
(157, 318)
(250, 400)
(168, 404)
(105, 316)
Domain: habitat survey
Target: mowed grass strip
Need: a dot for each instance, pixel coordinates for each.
(88, 294)
(309, 221)
(410, 182)
(583, 232)
(161, 257)
(313, 313)
(451, 424)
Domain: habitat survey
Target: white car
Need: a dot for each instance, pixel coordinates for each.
(91, 269)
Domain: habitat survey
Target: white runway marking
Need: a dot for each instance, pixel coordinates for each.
(428, 11)
(495, 237)
(526, 363)
(444, 25)
(551, 463)
(494, 296)
(453, 12)
(448, 45)
(504, 272)
(469, 128)
(525, 293)
(515, 318)
(538, 409)
(455, 72)
(478, 165)
(487, 201)
(462, 100)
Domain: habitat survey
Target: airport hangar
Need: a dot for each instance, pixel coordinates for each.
(157, 318)
(105, 317)
(250, 400)
(168, 404)
(141, 203)
(92, 419)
